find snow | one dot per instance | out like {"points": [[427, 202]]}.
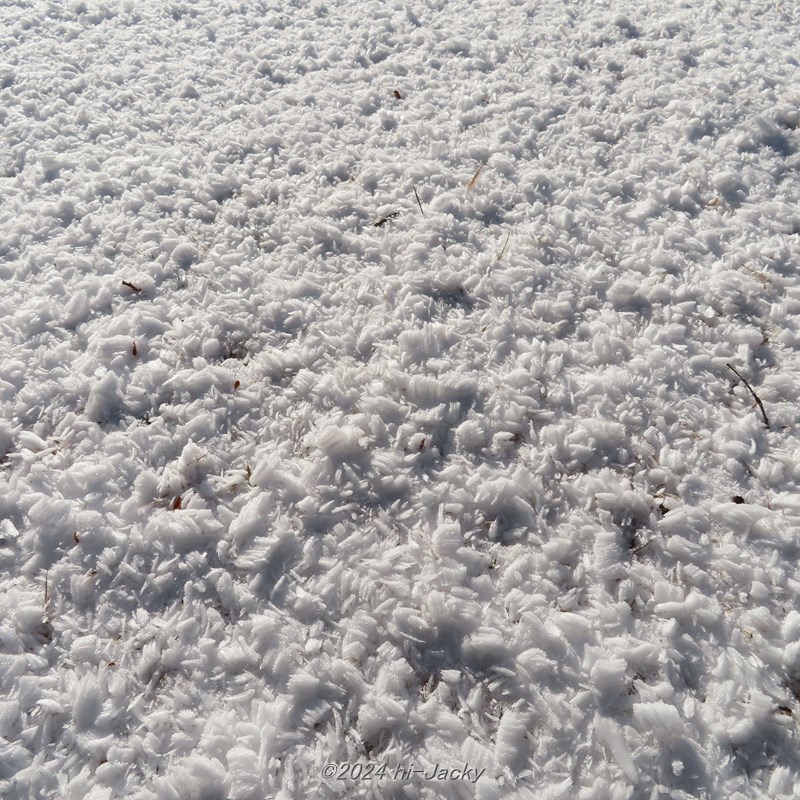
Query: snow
{"points": [[367, 395]]}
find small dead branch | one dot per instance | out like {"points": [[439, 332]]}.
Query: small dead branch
{"points": [[750, 389], [131, 286], [418, 200]]}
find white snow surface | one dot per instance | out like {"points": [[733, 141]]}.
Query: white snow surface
{"points": [[295, 472]]}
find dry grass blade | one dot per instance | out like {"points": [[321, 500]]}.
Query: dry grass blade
{"points": [[641, 547], [752, 392], [418, 200], [474, 178], [505, 244]]}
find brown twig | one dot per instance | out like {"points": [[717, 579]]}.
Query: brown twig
{"points": [[418, 201], [131, 286], [750, 389]]}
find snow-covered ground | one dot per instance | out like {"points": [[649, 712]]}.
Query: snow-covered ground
{"points": [[371, 393]]}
